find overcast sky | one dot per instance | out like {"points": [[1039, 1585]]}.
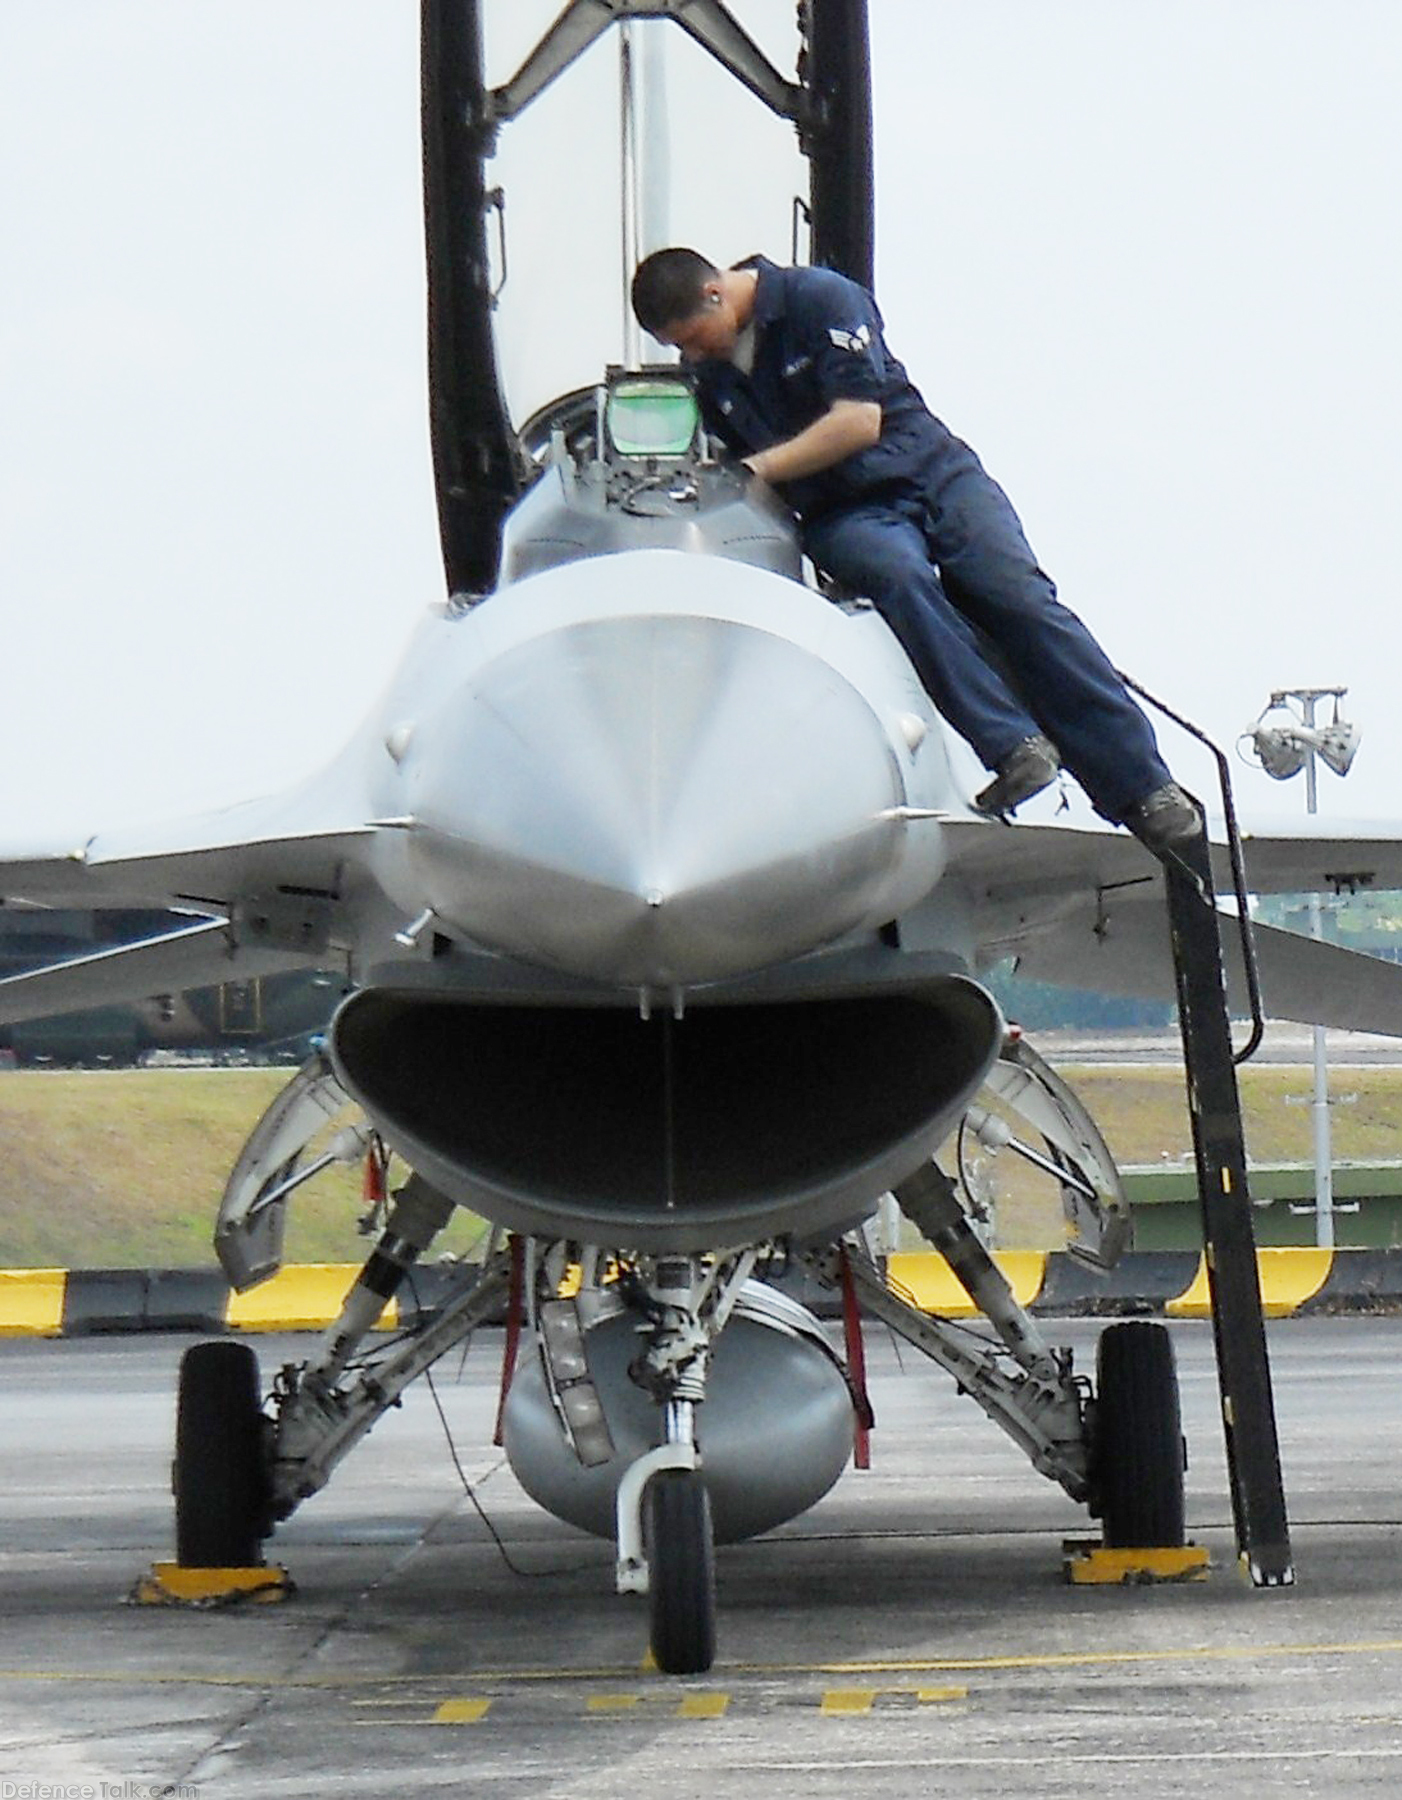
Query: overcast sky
{"points": [[1145, 257]]}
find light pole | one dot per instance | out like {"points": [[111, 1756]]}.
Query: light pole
{"points": [[1284, 748]]}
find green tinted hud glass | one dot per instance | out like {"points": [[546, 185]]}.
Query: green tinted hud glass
{"points": [[652, 418]]}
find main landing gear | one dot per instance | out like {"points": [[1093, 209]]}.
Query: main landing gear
{"points": [[220, 1474], [1138, 1456], [1117, 1449]]}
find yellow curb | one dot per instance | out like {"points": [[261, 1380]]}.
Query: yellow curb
{"points": [[31, 1302], [1288, 1277], [299, 1298], [928, 1277]]}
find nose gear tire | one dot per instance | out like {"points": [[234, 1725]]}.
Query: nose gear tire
{"points": [[681, 1572]]}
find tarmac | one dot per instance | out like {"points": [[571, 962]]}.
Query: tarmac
{"points": [[912, 1635]]}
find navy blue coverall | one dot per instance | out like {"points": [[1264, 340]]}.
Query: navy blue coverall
{"points": [[915, 524]]}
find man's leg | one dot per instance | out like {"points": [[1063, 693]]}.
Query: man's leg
{"points": [[1068, 682], [883, 557]]}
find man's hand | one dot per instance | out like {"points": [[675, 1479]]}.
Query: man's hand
{"points": [[845, 428]]}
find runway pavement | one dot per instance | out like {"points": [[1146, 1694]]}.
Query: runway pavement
{"points": [[910, 1636]]}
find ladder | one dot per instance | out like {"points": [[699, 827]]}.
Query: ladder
{"points": [[1229, 1243]]}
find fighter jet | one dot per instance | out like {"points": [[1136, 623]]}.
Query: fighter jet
{"points": [[660, 910]]}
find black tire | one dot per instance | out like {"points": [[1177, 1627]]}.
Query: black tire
{"points": [[220, 1476], [1137, 1452], [681, 1572]]}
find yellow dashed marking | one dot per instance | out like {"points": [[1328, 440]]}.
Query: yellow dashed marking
{"points": [[380, 1688], [850, 1702], [703, 1706], [692, 1706], [461, 1712], [846, 1701]]}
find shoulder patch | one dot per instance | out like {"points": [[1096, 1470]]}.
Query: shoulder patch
{"points": [[857, 341]]}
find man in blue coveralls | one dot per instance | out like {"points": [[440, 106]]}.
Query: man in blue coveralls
{"points": [[793, 374]]}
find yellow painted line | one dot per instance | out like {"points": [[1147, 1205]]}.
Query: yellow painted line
{"points": [[1288, 1277], [845, 1702], [926, 1275], [1068, 1659], [703, 1706], [929, 1696], [461, 1712], [301, 1297], [31, 1302]]}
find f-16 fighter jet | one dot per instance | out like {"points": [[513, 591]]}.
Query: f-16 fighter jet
{"points": [[660, 911]]}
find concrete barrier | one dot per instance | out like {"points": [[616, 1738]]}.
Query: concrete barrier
{"points": [[1140, 1285], [306, 1297], [1359, 1281]]}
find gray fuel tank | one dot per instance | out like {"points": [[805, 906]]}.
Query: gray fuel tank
{"points": [[775, 1430]]}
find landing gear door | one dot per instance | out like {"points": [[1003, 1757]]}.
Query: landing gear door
{"points": [[1098, 1221]]}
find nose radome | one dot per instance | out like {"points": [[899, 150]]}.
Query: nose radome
{"points": [[655, 800]]}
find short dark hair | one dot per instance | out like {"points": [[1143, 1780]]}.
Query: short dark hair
{"points": [[670, 286]]}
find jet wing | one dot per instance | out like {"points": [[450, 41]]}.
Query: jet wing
{"points": [[204, 863], [199, 955], [271, 878], [1125, 950], [997, 860], [1318, 856], [1084, 909]]}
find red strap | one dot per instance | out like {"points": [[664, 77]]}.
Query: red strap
{"points": [[373, 1185], [863, 1417], [515, 1298]]}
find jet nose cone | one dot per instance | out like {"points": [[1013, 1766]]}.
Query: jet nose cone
{"points": [[656, 800]]}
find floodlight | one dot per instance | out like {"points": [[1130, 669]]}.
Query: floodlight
{"points": [[1280, 750], [1336, 743], [1285, 749]]}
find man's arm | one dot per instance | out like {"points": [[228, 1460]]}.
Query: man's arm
{"points": [[845, 428]]}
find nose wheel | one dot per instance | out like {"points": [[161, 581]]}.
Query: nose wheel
{"points": [[682, 1571]]}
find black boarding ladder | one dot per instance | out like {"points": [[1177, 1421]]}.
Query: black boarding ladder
{"points": [[1219, 1147]]}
